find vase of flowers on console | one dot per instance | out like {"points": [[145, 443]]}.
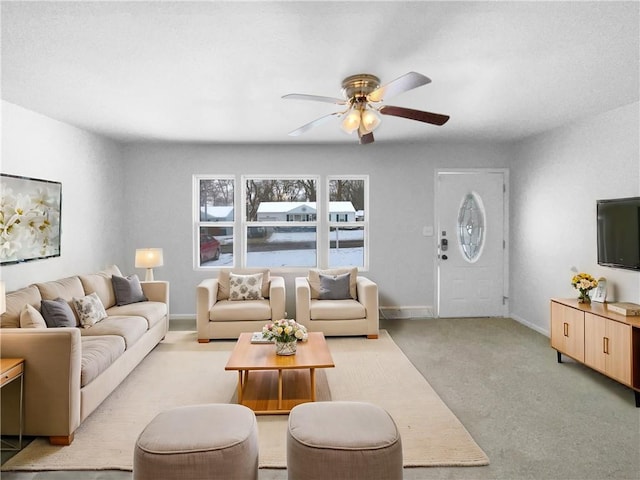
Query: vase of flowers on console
{"points": [[583, 282], [286, 333]]}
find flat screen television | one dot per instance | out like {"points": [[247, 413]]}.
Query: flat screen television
{"points": [[619, 233]]}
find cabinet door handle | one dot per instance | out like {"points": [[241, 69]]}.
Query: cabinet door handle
{"points": [[566, 329], [605, 345]]}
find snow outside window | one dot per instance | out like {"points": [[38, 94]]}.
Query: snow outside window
{"points": [[280, 222], [215, 221]]}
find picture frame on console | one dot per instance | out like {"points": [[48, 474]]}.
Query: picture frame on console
{"points": [[600, 293], [30, 220]]}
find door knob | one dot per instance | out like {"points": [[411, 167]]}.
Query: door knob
{"points": [[444, 257]]}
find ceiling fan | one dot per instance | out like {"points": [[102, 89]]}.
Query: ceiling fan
{"points": [[362, 97]]}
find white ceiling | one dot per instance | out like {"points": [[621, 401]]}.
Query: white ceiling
{"points": [[215, 71]]}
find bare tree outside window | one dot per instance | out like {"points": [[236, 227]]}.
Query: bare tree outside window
{"points": [[279, 224]]}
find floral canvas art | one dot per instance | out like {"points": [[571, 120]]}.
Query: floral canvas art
{"points": [[29, 219]]}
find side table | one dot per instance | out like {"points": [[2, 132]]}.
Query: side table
{"points": [[13, 369]]}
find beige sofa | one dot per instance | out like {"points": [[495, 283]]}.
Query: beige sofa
{"points": [[218, 317], [69, 371], [356, 315]]}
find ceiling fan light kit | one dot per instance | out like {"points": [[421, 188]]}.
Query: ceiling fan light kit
{"points": [[362, 93]]}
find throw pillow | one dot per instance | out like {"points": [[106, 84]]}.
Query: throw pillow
{"points": [[245, 287], [334, 287], [90, 310], [57, 313], [30, 317], [223, 280], [127, 290], [314, 280]]}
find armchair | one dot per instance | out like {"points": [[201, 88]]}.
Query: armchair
{"points": [[219, 315], [355, 315]]}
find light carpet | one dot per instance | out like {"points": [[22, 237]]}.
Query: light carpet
{"points": [[181, 371]]}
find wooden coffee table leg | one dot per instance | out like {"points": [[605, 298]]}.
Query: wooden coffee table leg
{"points": [[240, 385], [280, 389], [312, 376]]}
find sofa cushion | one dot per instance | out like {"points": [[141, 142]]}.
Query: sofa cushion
{"points": [[334, 287], [223, 280], [57, 313], [127, 289], [129, 328], [245, 287], [31, 318], [65, 288], [336, 310], [98, 353], [89, 309], [101, 284], [153, 312], [15, 301], [314, 280], [229, 311]]}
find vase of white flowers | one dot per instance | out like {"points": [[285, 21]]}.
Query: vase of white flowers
{"points": [[583, 282], [286, 333]]}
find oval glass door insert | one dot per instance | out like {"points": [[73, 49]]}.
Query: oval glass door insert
{"points": [[471, 224]]}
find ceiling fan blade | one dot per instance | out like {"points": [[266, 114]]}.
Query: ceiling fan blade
{"points": [[310, 125], [419, 115], [314, 98], [365, 137], [408, 81]]}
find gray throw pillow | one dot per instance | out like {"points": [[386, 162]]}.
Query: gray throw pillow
{"points": [[127, 290], [57, 313], [335, 287]]}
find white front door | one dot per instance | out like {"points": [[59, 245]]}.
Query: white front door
{"points": [[471, 235]]}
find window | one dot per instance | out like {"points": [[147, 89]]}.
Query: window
{"points": [[283, 221], [348, 221], [215, 221], [471, 221]]}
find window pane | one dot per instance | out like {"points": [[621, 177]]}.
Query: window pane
{"points": [[216, 246], [346, 191], [216, 200], [281, 247], [281, 200], [346, 247], [471, 221]]}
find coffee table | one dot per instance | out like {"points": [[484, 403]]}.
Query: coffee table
{"points": [[274, 384]]}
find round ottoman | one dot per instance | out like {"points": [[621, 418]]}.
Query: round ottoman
{"points": [[342, 441], [214, 441]]}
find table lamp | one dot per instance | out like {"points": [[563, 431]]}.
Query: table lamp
{"points": [[149, 258]]}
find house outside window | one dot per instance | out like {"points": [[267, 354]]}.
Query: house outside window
{"points": [[280, 221], [285, 222]]}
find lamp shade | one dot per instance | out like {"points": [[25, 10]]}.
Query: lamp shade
{"points": [[3, 299], [149, 257], [351, 122], [370, 120]]}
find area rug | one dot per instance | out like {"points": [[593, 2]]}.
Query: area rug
{"points": [[181, 371]]}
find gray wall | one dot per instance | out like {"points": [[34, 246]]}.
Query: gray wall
{"points": [[89, 168], [556, 179], [158, 182]]}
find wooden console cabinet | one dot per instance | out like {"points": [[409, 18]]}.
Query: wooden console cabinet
{"points": [[603, 340]]}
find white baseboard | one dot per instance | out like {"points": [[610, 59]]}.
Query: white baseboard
{"points": [[530, 325], [423, 311]]}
